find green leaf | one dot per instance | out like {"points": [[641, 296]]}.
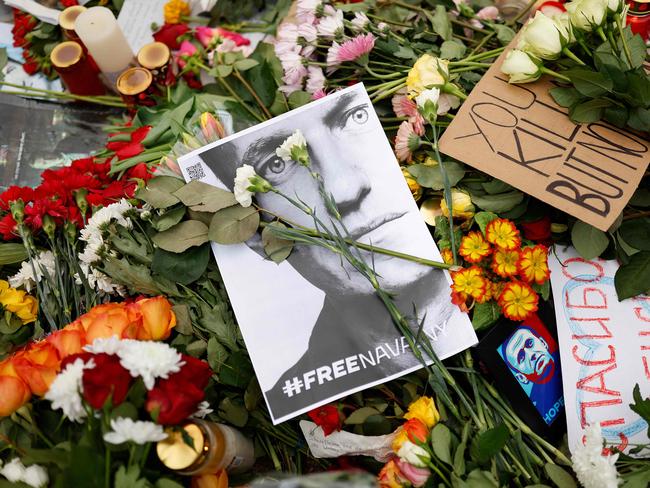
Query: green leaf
{"points": [[440, 22], [3, 61], [360, 415], [167, 483], [590, 111], [559, 476], [481, 479], [169, 219], [637, 47], [217, 354], [452, 50], [233, 225], [405, 52], [233, 411], [638, 88], [441, 443], [637, 479], [485, 314], [641, 406], [431, 176], [276, 248], [299, 98], [640, 119], [11, 253], [589, 83], [377, 425], [245, 64], [504, 33], [185, 267], [636, 233], [252, 395], [237, 371], [196, 348], [136, 277], [459, 459], [498, 203], [544, 289], [633, 278], [263, 82], [616, 116], [156, 198], [202, 197], [565, 97], [221, 70], [484, 218], [182, 236], [588, 241], [489, 443]]}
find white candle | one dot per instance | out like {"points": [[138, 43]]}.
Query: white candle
{"points": [[98, 30]]}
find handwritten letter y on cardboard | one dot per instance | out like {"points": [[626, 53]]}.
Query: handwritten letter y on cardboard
{"points": [[517, 133]]}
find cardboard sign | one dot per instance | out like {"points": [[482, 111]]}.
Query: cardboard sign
{"points": [[517, 133], [604, 349]]}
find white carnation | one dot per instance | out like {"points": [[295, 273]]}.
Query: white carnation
{"points": [[64, 392], [149, 360], [43, 264], [242, 181], [92, 233], [36, 476], [294, 140], [137, 431], [110, 345], [592, 468], [14, 471], [98, 280], [429, 95]]}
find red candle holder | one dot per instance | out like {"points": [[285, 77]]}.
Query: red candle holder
{"points": [[551, 8], [638, 17], [78, 73], [67, 19], [136, 87], [156, 57]]}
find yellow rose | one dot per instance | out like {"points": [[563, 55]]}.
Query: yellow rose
{"points": [[461, 202], [19, 302], [427, 71], [424, 409]]}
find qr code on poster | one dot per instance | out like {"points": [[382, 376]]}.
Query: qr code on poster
{"points": [[195, 171]]}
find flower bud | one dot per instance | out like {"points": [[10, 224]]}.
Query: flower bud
{"points": [[17, 208], [80, 200], [541, 37], [521, 67], [587, 15], [49, 225], [428, 71], [461, 203], [211, 128], [427, 102], [563, 24], [414, 454]]}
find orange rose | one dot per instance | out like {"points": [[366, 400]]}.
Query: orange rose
{"points": [[390, 476], [14, 393], [37, 366], [216, 480], [158, 319], [108, 320], [68, 341], [416, 430]]}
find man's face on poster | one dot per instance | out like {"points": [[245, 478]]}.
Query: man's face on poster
{"points": [[528, 356], [346, 146]]}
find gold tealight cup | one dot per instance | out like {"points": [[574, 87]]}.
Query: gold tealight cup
{"points": [[135, 86], [156, 57], [67, 19]]}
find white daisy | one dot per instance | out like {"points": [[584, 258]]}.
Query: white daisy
{"points": [[98, 280], [137, 431], [331, 25], [64, 392], [43, 264], [149, 360]]}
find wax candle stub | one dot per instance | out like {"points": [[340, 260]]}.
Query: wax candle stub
{"points": [[99, 31]]}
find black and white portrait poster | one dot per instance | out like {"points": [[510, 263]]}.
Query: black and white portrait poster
{"points": [[313, 327]]}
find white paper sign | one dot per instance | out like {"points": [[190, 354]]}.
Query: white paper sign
{"points": [[135, 20], [42, 13], [345, 443], [604, 348]]}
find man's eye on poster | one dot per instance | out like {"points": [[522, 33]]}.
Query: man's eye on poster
{"points": [[313, 326]]}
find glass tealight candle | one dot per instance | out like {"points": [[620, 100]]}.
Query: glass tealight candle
{"points": [[638, 17], [78, 73], [216, 446], [135, 86], [156, 57]]}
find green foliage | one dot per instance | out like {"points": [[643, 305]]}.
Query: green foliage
{"points": [[430, 176], [588, 241], [233, 225], [182, 236], [633, 278]]}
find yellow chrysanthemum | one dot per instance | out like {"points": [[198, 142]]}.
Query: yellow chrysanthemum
{"points": [[474, 247], [518, 300], [504, 262], [423, 409], [533, 264], [447, 256], [503, 233], [175, 10], [470, 282]]}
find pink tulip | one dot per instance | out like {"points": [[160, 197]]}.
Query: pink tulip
{"points": [[417, 476]]}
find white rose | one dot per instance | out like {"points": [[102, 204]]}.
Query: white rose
{"points": [[521, 67], [563, 24], [413, 454], [541, 37], [587, 14], [615, 6]]}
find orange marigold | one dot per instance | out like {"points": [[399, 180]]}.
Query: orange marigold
{"points": [[470, 282], [504, 262], [503, 233], [533, 264], [518, 300], [474, 247], [175, 10], [447, 255]]}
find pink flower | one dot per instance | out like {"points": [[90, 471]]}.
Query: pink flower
{"points": [[488, 13], [187, 49], [417, 476], [350, 50], [208, 35], [406, 141], [204, 35], [403, 106], [306, 10], [238, 39], [318, 94], [315, 79]]}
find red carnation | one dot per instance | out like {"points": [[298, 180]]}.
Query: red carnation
{"points": [[169, 34], [8, 228], [40, 208], [327, 417], [537, 231], [108, 379], [30, 66], [13, 193], [132, 147]]}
